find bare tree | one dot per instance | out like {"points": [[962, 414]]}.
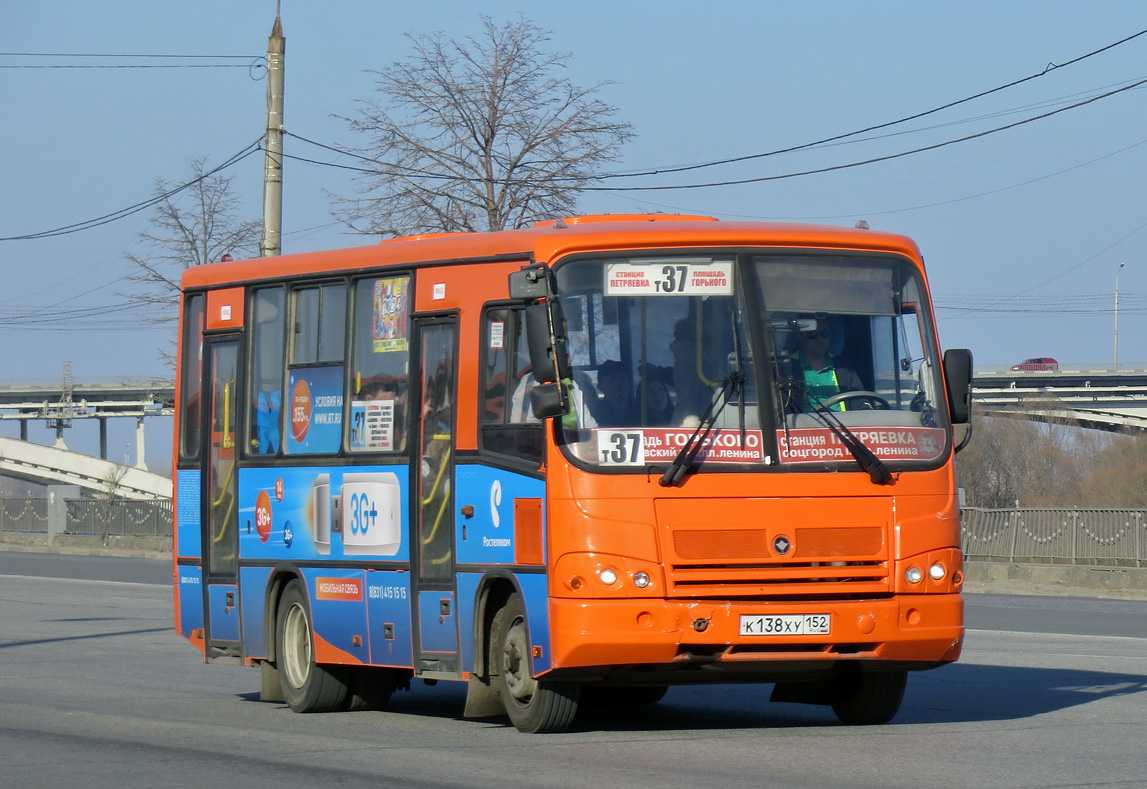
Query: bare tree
{"points": [[479, 134], [108, 497], [189, 226]]}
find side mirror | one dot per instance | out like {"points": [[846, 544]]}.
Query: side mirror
{"points": [[958, 380], [546, 343], [549, 400], [529, 284]]}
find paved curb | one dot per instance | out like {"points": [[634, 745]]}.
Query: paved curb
{"points": [[1056, 579], [89, 545]]}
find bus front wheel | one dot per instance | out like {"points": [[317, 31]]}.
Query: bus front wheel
{"points": [[534, 706], [865, 698], [307, 686]]}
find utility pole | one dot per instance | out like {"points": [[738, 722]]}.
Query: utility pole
{"points": [[273, 172], [1121, 265]]}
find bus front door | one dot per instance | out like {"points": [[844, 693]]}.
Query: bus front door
{"points": [[220, 511], [435, 598]]}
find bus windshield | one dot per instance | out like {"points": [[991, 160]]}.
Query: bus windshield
{"points": [[773, 358]]}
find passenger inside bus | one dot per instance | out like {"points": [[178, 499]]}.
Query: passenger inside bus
{"points": [[658, 403], [582, 394], [266, 440], [617, 406], [694, 392]]}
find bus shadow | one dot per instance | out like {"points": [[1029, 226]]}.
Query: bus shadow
{"points": [[960, 693]]}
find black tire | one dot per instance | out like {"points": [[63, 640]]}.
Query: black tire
{"points": [[534, 706], [868, 698], [307, 686], [370, 688]]}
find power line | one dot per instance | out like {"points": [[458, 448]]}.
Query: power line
{"points": [[412, 172], [88, 224], [759, 179], [126, 66], [873, 160], [251, 61], [1050, 67], [121, 55]]}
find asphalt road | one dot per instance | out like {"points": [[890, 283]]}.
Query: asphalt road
{"points": [[96, 690]]}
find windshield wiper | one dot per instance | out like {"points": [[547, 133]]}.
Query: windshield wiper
{"points": [[864, 456], [735, 382]]}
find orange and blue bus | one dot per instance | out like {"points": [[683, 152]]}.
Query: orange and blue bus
{"points": [[596, 457]]}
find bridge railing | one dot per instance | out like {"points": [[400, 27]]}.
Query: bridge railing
{"points": [[115, 518], [1105, 537]]}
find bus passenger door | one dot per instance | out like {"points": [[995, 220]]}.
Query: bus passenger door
{"points": [[435, 598], [220, 505]]}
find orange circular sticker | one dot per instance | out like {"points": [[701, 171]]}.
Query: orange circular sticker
{"points": [[300, 411], [263, 515]]}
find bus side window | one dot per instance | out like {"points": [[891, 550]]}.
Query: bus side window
{"points": [[269, 320], [380, 364], [315, 373], [191, 406], [508, 426]]}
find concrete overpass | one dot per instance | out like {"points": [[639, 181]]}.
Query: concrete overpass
{"points": [[54, 466], [58, 404], [1103, 399]]}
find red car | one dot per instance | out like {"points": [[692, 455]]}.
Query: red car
{"points": [[1037, 363]]}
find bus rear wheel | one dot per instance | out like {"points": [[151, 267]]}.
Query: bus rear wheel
{"points": [[534, 706], [307, 686], [866, 698]]}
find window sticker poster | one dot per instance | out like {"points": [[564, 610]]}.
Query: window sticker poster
{"points": [[391, 307], [372, 425], [316, 415]]}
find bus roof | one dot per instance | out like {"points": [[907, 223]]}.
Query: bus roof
{"points": [[549, 240]]}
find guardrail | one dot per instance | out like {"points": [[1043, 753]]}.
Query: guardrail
{"points": [[1097, 537], [115, 518]]}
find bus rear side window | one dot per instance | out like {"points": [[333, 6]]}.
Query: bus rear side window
{"points": [[191, 404]]}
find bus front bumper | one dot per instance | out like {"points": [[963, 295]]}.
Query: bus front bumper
{"points": [[911, 631]]}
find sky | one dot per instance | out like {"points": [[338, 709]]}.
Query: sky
{"points": [[1023, 230]]}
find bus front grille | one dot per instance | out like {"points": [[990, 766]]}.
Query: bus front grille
{"points": [[787, 579]]}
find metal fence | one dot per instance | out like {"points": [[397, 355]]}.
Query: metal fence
{"points": [[1105, 537], [118, 517], [23, 514]]}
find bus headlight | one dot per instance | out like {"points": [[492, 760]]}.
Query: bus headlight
{"points": [[913, 575], [641, 579], [608, 576], [937, 572]]}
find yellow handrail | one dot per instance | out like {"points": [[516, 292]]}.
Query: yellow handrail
{"points": [[700, 373], [224, 490], [441, 470]]}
